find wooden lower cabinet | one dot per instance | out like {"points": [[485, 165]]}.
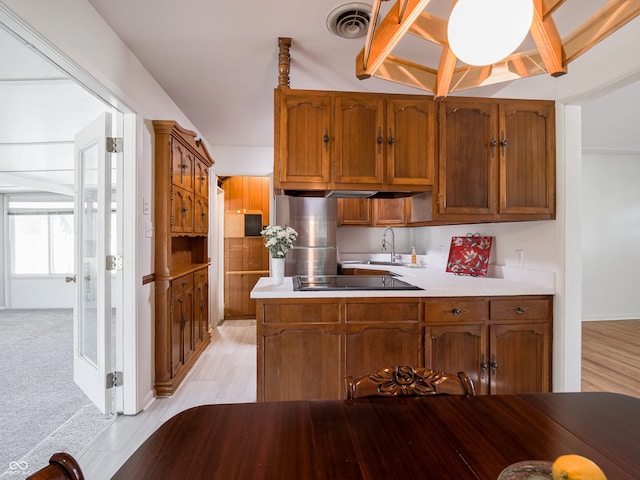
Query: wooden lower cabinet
{"points": [[307, 346], [245, 261], [504, 345], [187, 333]]}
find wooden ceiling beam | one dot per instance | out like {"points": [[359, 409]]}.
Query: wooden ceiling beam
{"points": [[547, 39], [612, 16], [387, 35], [430, 28], [445, 72], [550, 6], [552, 54], [407, 73]]}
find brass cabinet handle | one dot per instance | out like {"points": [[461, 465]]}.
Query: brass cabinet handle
{"points": [[326, 139], [493, 144], [494, 364], [391, 139], [520, 310], [483, 365]]}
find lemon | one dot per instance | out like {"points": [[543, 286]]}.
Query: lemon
{"points": [[575, 467]]}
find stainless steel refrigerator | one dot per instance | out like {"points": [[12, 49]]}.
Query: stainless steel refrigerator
{"points": [[316, 220]]}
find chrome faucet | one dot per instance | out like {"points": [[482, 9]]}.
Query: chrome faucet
{"points": [[392, 244]]}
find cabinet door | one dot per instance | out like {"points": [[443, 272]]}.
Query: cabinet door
{"points": [[237, 294], [354, 211], [200, 305], [520, 358], [359, 147], [302, 364], [182, 164], [459, 348], [527, 158], [468, 156], [201, 179], [410, 141], [374, 347], [233, 295], [201, 215], [303, 140], [182, 209], [181, 321], [389, 211]]}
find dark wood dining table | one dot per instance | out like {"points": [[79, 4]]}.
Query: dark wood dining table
{"points": [[438, 437]]}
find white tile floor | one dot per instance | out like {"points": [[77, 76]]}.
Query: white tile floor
{"points": [[225, 373]]}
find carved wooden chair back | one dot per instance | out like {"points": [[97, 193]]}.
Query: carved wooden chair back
{"points": [[405, 380], [62, 466]]}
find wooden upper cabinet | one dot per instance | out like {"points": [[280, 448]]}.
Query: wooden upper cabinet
{"points": [[373, 212], [353, 141], [468, 157], [389, 211], [182, 164], [496, 160], [410, 141], [354, 211], [201, 179], [527, 158], [359, 145], [303, 130]]}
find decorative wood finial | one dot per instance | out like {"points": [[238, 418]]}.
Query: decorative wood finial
{"points": [[284, 62]]}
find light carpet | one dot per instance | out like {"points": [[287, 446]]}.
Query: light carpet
{"points": [[42, 411]]}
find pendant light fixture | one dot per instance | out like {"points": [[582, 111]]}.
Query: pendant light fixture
{"points": [[483, 32]]}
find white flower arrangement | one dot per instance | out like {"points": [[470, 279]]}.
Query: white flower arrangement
{"points": [[279, 239]]}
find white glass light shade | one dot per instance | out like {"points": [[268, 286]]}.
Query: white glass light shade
{"points": [[483, 32]]}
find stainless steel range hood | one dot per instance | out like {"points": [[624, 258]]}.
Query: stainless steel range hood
{"points": [[346, 193], [350, 194]]}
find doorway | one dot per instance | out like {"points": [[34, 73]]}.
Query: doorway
{"points": [[43, 107]]}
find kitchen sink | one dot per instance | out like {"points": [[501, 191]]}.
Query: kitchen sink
{"points": [[383, 262]]}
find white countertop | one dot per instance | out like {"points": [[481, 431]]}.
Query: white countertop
{"points": [[435, 282]]}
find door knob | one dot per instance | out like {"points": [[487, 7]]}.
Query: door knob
{"points": [[70, 279]]}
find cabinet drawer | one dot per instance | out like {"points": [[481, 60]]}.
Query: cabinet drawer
{"points": [[536, 309], [457, 311], [373, 312], [201, 275], [181, 285], [301, 313]]}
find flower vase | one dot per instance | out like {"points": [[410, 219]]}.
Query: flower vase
{"points": [[277, 270]]}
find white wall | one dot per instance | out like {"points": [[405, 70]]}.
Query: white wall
{"points": [[40, 292], [611, 236], [533, 238]]}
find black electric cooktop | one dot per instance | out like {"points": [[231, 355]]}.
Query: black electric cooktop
{"points": [[350, 282]]}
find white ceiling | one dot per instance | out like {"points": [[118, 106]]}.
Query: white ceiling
{"points": [[219, 63], [42, 109]]}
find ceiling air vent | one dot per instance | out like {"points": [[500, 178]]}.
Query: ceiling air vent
{"points": [[350, 20]]}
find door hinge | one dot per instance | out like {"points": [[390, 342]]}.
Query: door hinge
{"points": [[114, 379], [114, 262], [114, 144]]}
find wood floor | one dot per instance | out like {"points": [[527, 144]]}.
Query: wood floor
{"points": [[226, 373], [611, 356]]}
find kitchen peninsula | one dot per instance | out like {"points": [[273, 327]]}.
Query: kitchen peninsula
{"points": [[496, 328]]}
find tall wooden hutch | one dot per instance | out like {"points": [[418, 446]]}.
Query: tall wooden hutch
{"points": [[181, 254]]}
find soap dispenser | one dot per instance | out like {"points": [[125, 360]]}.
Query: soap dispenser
{"points": [[414, 256]]}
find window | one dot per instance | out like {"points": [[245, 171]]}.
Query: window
{"points": [[42, 238]]}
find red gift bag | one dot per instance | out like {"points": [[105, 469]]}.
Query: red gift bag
{"points": [[469, 255]]}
